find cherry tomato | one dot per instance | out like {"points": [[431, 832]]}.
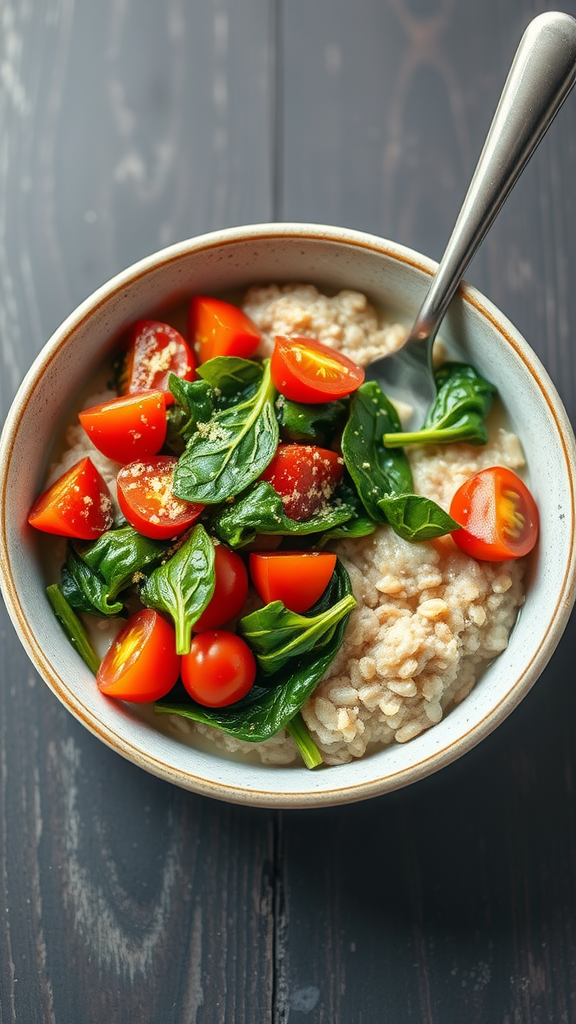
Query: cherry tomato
{"points": [[498, 515], [142, 664], [155, 350], [217, 328], [230, 590], [305, 477], [219, 668], [146, 499], [77, 505], [297, 578], [305, 370], [127, 428]]}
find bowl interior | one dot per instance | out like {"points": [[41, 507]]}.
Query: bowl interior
{"points": [[394, 279]]}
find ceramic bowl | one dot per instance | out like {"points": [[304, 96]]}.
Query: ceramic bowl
{"points": [[395, 278]]}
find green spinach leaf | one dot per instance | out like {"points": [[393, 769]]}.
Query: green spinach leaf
{"points": [[73, 627], [196, 403], [458, 412], [267, 709], [416, 518], [95, 574], [184, 585], [315, 422], [231, 376], [261, 510], [375, 469], [276, 634], [228, 452]]}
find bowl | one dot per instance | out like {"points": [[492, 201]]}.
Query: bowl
{"points": [[395, 278]]}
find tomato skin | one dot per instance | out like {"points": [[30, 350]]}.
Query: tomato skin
{"points": [[155, 350], [306, 370], [230, 590], [127, 428], [146, 499], [219, 669], [297, 578], [305, 477], [217, 328], [498, 514], [77, 504], [141, 664]]}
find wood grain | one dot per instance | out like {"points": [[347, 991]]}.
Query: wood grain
{"points": [[125, 126]]}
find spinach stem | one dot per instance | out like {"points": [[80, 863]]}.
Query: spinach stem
{"points": [[308, 749], [443, 435], [73, 627]]}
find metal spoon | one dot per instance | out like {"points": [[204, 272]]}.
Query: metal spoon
{"points": [[541, 76]]}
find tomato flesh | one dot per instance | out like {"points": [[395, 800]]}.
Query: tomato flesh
{"points": [[305, 477], [306, 370], [146, 498], [297, 578], [498, 515], [77, 504], [219, 668], [127, 428], [142, 664], [230, 590], [217, 328], [155, 350]]}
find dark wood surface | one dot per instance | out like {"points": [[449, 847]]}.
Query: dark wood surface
{"points": [[125, 126]]}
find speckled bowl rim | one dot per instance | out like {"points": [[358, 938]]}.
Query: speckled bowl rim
{"points": [[330, 795]]}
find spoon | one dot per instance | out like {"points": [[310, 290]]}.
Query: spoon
{"points": [[541, 76]]}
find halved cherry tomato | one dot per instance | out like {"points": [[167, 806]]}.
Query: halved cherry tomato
{"points": [[230, 590], [219, 669], [305, 477], [127, 428], [498, 515], [77, 505], [146, 498], [305, 370], [142, 664], [217, 328], [155, 350], [297, 578]]}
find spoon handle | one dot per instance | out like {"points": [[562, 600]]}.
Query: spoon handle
{"points": [[541, 76]]}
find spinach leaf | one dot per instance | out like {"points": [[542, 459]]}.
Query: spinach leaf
{"points": [[458, 412], [303, 740], [184, 585], [276, 634], [267, 709], [231, 450], [261, 510], [93, 575], [73, 627], [315, 422], [375, 469], [416, 518], [197, 402], [360, 526], [230, 375]]}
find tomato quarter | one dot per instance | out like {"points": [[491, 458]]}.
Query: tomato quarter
{"points": [[217, 328], [498, 515], [219, 669], [127, 428], [146, 498], [230, 590], [155, 350], [305, 370], [142, 664], [305, 477], [298, 579], [77, 505]]}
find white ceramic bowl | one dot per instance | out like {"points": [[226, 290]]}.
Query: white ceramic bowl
{"points": [[393, 277]]}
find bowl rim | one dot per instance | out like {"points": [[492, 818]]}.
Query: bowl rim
{"points": [[338, 794]]}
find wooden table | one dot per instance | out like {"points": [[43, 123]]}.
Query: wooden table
{"points": [[125, 126]]}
